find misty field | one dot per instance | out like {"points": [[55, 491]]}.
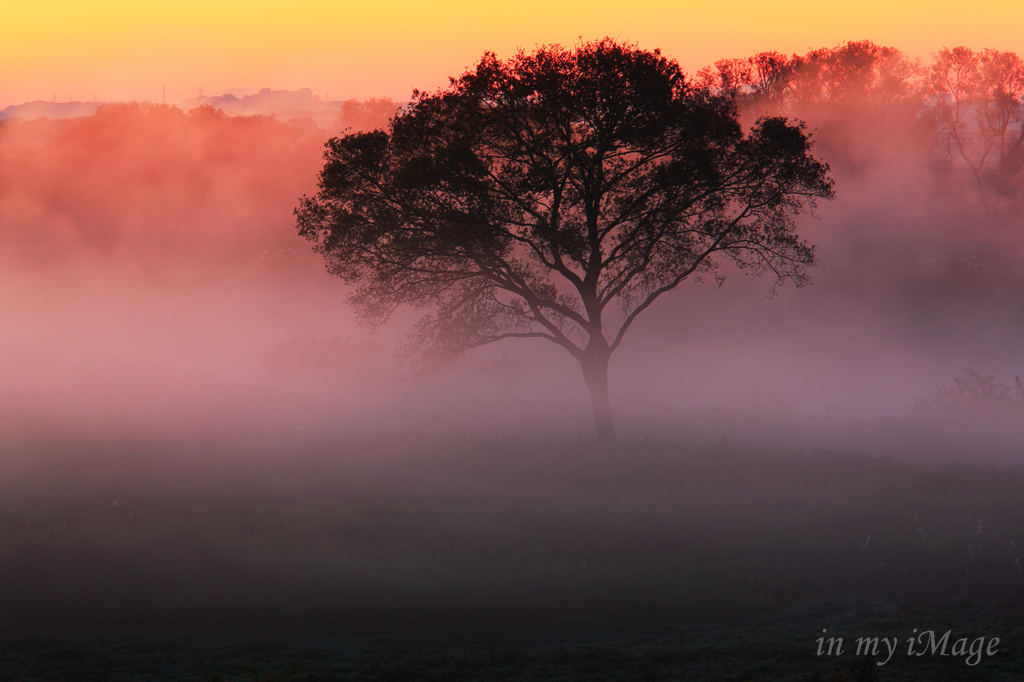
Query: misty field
{"points": [[357, 555]]}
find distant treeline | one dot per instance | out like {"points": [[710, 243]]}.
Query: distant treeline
{"points": [[151, 177], [965, 103]]}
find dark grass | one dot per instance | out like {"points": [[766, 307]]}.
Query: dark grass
{"points": [[343, 555]]}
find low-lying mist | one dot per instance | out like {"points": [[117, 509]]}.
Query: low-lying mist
{"points": [[151, 274]]}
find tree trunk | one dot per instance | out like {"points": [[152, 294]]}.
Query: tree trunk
{"points": [[595, 372]]}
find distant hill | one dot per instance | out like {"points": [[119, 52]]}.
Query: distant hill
{"points": [[41, 109], [285, 105]]}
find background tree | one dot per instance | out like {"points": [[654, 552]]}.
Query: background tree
{"points": [[853, 74], [861, 99], [557, 195], [976, 100], [975, 396], [372, 114]]}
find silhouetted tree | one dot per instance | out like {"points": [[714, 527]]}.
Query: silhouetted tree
{"points": [[759, 83], [557, 195]]}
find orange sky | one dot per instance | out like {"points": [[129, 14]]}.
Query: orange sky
{"points": [[126, 49]]}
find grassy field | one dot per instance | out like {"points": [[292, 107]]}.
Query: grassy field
{"points": [[344, 555]]}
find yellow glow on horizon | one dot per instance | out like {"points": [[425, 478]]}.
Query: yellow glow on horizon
{"points": [[121, 49]]}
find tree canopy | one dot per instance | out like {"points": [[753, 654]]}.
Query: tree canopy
{"points": [[557, 195]]}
